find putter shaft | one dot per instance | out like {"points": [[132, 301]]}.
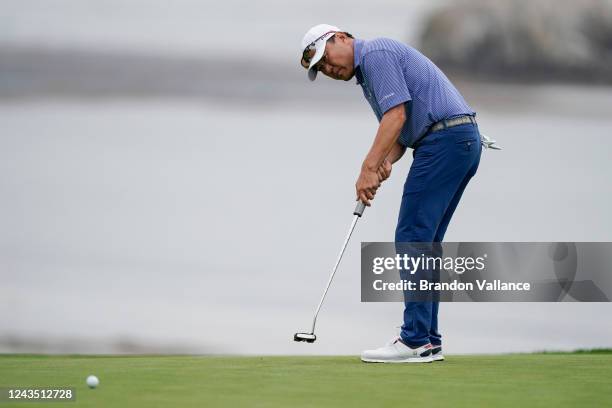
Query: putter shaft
{"points": [[357, 214]]}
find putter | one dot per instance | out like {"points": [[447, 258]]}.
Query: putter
{"points": [[311, 337]]}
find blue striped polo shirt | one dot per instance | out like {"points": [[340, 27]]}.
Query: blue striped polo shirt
{"points": [[391, 73]]}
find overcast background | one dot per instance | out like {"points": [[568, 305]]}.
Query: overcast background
{"points": [[170, 181]]}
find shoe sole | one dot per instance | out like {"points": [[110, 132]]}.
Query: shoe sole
{"points": [[427, 359], [438, 358]]}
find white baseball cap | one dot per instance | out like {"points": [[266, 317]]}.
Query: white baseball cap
{"points": [[316, 38]]}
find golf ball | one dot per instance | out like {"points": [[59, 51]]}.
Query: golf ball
{"points": [[92, 381]]}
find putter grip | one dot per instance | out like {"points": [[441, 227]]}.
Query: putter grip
{"points": [[359, 209]]}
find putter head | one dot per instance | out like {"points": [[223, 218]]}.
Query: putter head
{"points": [[307, 337]]}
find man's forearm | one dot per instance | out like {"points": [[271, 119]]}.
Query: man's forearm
{"points": [[396, 153], [386, 137]]}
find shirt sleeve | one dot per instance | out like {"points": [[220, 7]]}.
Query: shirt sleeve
{"points": [[383, 71]]}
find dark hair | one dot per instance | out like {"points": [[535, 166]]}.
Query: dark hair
{"points": [[333, 37]]}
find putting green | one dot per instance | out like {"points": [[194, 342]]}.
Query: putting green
{"points": [[534, 380]]}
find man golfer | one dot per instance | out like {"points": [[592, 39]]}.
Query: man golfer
{"points": [[417, 107]]}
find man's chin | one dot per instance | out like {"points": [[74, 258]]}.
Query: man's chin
{"points": [[342, 77], [349, 77]]}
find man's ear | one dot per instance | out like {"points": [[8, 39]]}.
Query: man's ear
{"points": [[341, 36]]}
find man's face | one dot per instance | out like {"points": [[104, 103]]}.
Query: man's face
{"points": [[337, 61]]}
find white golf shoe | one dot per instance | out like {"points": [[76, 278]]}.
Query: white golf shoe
{"points": [[398, 352], [436, 353]]}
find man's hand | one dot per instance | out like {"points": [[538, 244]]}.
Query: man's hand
{"points": [[367, 184], [384, 171]]}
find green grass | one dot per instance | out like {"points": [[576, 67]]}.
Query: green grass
{"points": [[514, 380]]}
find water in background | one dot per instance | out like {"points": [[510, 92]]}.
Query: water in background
{"points": [[136, 222]]}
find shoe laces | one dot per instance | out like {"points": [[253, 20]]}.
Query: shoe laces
{"points": [[398, 330]]}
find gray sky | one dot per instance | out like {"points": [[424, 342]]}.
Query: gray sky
{"points": [[270, 29]]}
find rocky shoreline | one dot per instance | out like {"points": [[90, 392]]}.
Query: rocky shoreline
{"points": [[521, 40]]}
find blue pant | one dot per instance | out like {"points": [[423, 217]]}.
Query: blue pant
{"points": [[444, 162]]}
